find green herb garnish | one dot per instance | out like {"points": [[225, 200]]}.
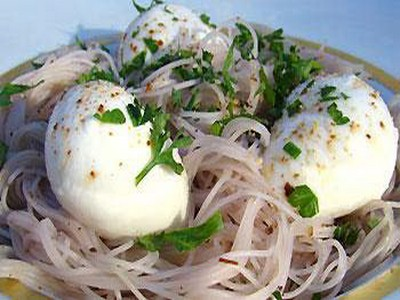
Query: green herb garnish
{"points": [[115, 116], [291, 149], [177, 99], [316, 296], [135, 64], [346, 234], [80, 43], [266, 90], [244, 42], [218, 126], [185, 239], [167, 10], [140, 115], [373, 222], [344, 96], [3, 153], [95, 74], [337, 115], [159, 135], [206, 20], [140, 9], [304, 200], [10, 89], [166, 59], [193, 104], [294, 107], [135, 33], [151, 44], [228, 81], [277, 295], [327, 93]]}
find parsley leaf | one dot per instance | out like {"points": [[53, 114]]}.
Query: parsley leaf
{"points": [[158, 136], [12, 89], [244, 42], [337, 115], [135, 64], [166, 59], [135, 32], [345, 97], [193, 103], [115, 116], [373, 222], [140, 9], [185, 239], [151, 44], [266, 90], [206, 20], [327, 93], [292, 149], [346, 234], [95, 74], [277, 295], [304, 200], [139, 115], [294, 107], [3, 153]]}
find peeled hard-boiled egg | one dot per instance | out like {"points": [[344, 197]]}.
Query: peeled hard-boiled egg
{"points": [[92, 166], [165, 29], [345, 165]]}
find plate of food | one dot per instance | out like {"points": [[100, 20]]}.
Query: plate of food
{"points": [[184, 159]]}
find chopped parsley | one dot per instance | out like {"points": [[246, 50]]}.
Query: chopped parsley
{"points": [[346, 234], [292, 149], [115, 116], [151, 44], [277, 295], [80, 43], [344, 96], [265, 89], [160, 156], [95, 74], [295, 107], [308, 86], [244, 42], [336, 115], [193, 104], [185, 239], [10, 89], [304, 200], [36, 65], [167, 10], [326, 93], [140, 9], [177, 98], [206, 20], [135, 64], [3, 153], [135, 33], [218, 126]]}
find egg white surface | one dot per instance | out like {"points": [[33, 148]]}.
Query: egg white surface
{"points": [[345, 166], [172, 27], [92, 167]]}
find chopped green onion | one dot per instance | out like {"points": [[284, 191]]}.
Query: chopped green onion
{"points": [[294, 107], [135, 32], [266, 90], [177, 98], [277, 295], [373, 222], [346, 234], [291, 149], [206, 20], [151, 44]]}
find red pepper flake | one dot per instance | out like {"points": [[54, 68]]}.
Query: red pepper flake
{"points": [[368, 136], [148, 143], [288, 189], [160, 43], [151, 31], [382, 124], [228, 261], [133, 47], [93, 174]]}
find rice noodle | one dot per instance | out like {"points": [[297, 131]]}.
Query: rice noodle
{"points": [[265, 245]]}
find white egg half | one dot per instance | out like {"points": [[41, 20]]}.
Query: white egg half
{"points": [[171, 27], [346, 165], [92, 167]]}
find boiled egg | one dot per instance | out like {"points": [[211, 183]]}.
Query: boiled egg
{"points": [[162, 29], [347, 140], [92, 165]]}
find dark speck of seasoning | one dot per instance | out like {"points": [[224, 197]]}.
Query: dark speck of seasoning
{"points": [[374, 95], [161, 24], [146, 24], [320, 109], [382, 124], [69, 152], [120, 164], [93, 174], [151, 31], [160, 43], [67, 129], [79, 101], [148, 143], [93, 250], [55, 126], [110, 133], [368, 136], [288, 189], [295, 175], [100, 109]]}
